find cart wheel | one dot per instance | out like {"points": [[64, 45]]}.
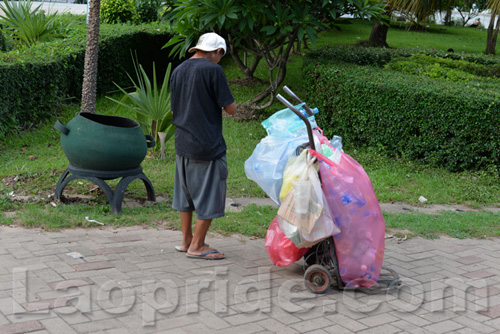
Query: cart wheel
{"points": [[317, 278]]}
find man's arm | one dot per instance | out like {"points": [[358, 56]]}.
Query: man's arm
{"points": [[231, 109]]}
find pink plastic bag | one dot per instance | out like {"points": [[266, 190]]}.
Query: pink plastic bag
{"points": [[360, 244], [280, 249]]}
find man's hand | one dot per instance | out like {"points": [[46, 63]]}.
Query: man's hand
{"points": [[231, 109]]}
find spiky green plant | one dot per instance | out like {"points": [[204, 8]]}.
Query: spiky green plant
{"points": [[149, 101], [25, 24]]}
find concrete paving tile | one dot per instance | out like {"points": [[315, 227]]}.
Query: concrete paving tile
{"points": [[19, 252], [65, 284], [36, 316], [245, 318], [377, 320], [444, 327], [312, 324], [171, 321], [21, 327], [195, 329], [243, 329], [317, 331], [492, 312], [337, 329], [99, 325], [46, 274], [134, 324], [211, 320], [466, 331], [118, 331], [468, 260], [405, 325], [123, 265], [427, 269], [111, 250], [125, 238], [275, 326], [3, 320], [71, 315], [474, 325], [383, 329], [9, 305], [346, 322], [487, 291], [92, 266], [480, 274], [41, 305], [57, 326]]}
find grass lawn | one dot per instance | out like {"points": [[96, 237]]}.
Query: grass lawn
{"points": [[460, 39], [32, 162]]}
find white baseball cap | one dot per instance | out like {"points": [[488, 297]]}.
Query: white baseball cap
{"points": [[209, 42]]}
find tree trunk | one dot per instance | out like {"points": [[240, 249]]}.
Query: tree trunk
{"points": [[89, 88], [491, 41], [275, 80], [447, 18], [378, 36], [243, 64]]}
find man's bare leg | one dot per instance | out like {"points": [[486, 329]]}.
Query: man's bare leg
{"points": [[198, 245], [187, 229]]}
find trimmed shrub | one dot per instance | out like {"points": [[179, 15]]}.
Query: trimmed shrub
{"points": [[3, 42], [118, 11], [34, 81], [354, 54], [147, 11], [444, 123], [445, 68]]}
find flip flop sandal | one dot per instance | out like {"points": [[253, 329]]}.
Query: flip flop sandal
{"points": [[179, 249], [204, 255]]}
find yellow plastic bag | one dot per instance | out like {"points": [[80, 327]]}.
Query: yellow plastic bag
{"points": [[295, 170]]}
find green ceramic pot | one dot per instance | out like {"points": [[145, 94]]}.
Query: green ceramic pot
{"points": [[103, 143]]}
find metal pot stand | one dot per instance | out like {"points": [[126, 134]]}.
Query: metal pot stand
{"points": [[98, 178]]}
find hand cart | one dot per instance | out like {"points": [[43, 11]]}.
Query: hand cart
{"points": [[321, 264]]}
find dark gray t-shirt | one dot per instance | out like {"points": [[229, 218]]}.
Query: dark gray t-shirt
{"points": [[199, 91]]}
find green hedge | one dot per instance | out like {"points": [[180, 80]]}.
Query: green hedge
{"points": [[450, 124], [34, 81], [380, 56]]}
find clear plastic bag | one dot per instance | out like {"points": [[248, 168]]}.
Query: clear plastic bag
{"points": [[304, 215], [267, 163], [285, 123], [323, 228], [280, 249]]}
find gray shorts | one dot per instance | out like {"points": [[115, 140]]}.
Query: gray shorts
{"points": [[200, 186]]}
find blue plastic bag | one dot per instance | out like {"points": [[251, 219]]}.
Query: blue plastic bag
{"points": [[285, 123]]}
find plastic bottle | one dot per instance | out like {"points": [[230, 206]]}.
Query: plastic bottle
{"points": [[336, 142], [326, 150]]}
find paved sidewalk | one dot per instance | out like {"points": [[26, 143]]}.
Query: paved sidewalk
{"points": [[131, 280]]}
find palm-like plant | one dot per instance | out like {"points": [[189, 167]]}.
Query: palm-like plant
{"points": [[26, 25], [494, 6], [150, 102]]}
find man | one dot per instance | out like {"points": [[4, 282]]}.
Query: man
{"points": [[199, 93]]}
